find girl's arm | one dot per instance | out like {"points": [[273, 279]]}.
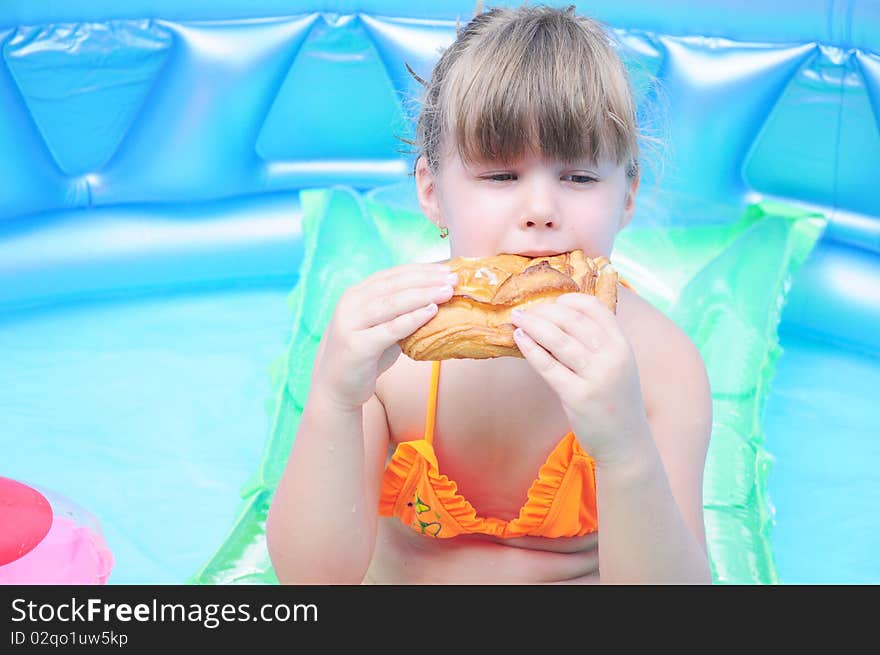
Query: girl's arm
{"points": [[649, 460], [650, 503], [321, 527]]}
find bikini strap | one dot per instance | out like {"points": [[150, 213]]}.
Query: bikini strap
{"points": [[432, 402]]}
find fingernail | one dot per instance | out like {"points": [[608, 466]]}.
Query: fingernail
{"points": [[516, 313]]}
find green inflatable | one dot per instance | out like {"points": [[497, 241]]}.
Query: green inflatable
{"points": [[725, 285]]}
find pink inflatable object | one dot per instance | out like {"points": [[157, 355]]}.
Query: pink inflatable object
{"points": [[25, 518], [73, 551]]}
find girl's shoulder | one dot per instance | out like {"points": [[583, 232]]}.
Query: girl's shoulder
{"points": [[640, 320], [637, 317], [661, 348]]}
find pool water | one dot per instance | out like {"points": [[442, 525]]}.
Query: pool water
{"points": [[149, 413], [821, 430]]}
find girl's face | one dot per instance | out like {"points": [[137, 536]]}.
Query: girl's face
{"points": [[531, 206]]}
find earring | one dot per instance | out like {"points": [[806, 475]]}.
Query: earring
{"points": [[444, 232]]}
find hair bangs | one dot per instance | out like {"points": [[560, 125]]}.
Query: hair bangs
{"points": [[541, 90], [531, 81]]}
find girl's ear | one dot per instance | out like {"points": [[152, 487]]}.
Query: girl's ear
{"points": [[426, 185], [629, 207]]}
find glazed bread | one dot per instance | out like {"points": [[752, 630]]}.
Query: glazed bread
{"points": [[475, 322]]}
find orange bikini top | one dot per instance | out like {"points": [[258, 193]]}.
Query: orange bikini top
{"points": [[561, 501]]}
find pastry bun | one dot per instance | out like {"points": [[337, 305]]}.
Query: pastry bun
{"points": [[475, 322]]}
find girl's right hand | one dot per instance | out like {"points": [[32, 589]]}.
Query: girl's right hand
{"points": [[370, 318]]}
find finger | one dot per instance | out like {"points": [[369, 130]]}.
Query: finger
{"points": [[555, 374], [398, 290], [573, 322], [392, 331], [544, 326], [594, 308], [415, 273], [389, 306]]}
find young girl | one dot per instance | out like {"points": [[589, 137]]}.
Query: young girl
{"points": [[581, 462]]}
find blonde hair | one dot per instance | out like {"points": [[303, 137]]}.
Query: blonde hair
{"points": [[534, 78]]}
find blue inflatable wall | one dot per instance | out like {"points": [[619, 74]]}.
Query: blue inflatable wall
{"points": [[158, 146]]}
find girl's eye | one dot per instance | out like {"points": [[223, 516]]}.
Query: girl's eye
{"points": [[577, 179], [581, 179]]}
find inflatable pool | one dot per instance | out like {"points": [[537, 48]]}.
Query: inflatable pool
{"points": [[182, 182]]}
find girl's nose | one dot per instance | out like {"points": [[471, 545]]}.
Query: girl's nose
{"points": [[538, 207], [539, 223]]}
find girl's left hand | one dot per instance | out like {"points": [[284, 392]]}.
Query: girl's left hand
{"points": [[577, 346]]}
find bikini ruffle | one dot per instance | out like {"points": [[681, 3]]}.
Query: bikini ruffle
{"points": [[561, 501]]}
